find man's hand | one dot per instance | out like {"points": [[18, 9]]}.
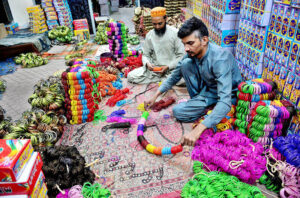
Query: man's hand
{"points": [[190, 138], [163, 70], [149, 103], [150, 66]]}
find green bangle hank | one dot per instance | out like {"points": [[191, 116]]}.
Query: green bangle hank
{"points": [[99, 115], [217, 184], [94, 191], [145, 115]]}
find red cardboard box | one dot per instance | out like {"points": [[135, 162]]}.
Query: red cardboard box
{"points": [[14, 155], [26, 183]]}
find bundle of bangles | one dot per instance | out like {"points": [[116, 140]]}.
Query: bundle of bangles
{"points": [[231, 152], [267, 120], [249, 94], [82, 95], [217, 184], [149, 147], [117, 40]]}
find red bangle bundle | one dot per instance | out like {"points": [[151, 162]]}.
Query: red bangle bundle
{"points": [[162, 104], [119, 95]]}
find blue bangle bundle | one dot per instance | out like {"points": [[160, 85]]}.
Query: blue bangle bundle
{"points": [[289, 147]]}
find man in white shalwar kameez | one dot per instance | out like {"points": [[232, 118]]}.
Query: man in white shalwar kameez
{"points": [[162, 48]]}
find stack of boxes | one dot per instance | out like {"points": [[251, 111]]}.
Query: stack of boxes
{"points": [[253, 31], [282, 53], [63, 12], [189, 9], [250, 48], [50, 14], [174, 7], [222, 20], [81, 29], [198, 5], [21, 170], [37, 20]]}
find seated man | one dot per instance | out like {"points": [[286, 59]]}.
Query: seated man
{"points": [[211, 76], [162, 48]]}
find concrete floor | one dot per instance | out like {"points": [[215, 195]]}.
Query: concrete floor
{"points": [[20, 83]]}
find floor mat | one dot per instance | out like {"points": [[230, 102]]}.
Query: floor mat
{"points": [[122, 163]]}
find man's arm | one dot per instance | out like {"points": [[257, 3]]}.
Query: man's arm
{"points": [[222, 71], [175, 76]]}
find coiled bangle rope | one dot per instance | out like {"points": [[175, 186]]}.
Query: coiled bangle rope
{"points": [[149, 147]]}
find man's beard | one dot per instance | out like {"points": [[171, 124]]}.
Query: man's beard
{"points": [[161, 31]]}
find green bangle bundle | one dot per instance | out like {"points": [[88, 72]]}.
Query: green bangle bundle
{"points": [[217, 184], [94, 191]]}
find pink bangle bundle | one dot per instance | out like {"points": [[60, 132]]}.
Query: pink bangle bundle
{"points": [[231, 152]]}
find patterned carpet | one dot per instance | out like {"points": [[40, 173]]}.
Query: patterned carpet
{"points": [[122, 164]]}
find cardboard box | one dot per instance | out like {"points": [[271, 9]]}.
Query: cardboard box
{"points": [[13, 158], [295, 94], [289, 85], [25, 184], [82, 34], [39, 185], [42, 194]]}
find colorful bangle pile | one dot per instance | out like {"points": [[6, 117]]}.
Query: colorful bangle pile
{"points": [[217, 184], [267, 119], [117, 40], [249, 94], [81, 91], [231, 152], [225, 124], [149, 147]]}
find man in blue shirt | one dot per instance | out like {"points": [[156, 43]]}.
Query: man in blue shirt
{"points": [[211, 76]]}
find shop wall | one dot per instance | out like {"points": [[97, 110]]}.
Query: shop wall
{"points": [[18, 10]]}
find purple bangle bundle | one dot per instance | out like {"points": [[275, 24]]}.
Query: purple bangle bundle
{"points": [[289, 146], [231, 152]]}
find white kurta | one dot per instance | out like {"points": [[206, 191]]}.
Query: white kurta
{"points": [[165, 50]]}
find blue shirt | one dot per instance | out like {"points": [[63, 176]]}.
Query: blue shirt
{"points": [[215, 76]]}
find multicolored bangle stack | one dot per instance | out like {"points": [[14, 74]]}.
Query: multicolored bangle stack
{"points": [[149, 147], [117, 40], [249, 94], [81, 92], [267, 119]]}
